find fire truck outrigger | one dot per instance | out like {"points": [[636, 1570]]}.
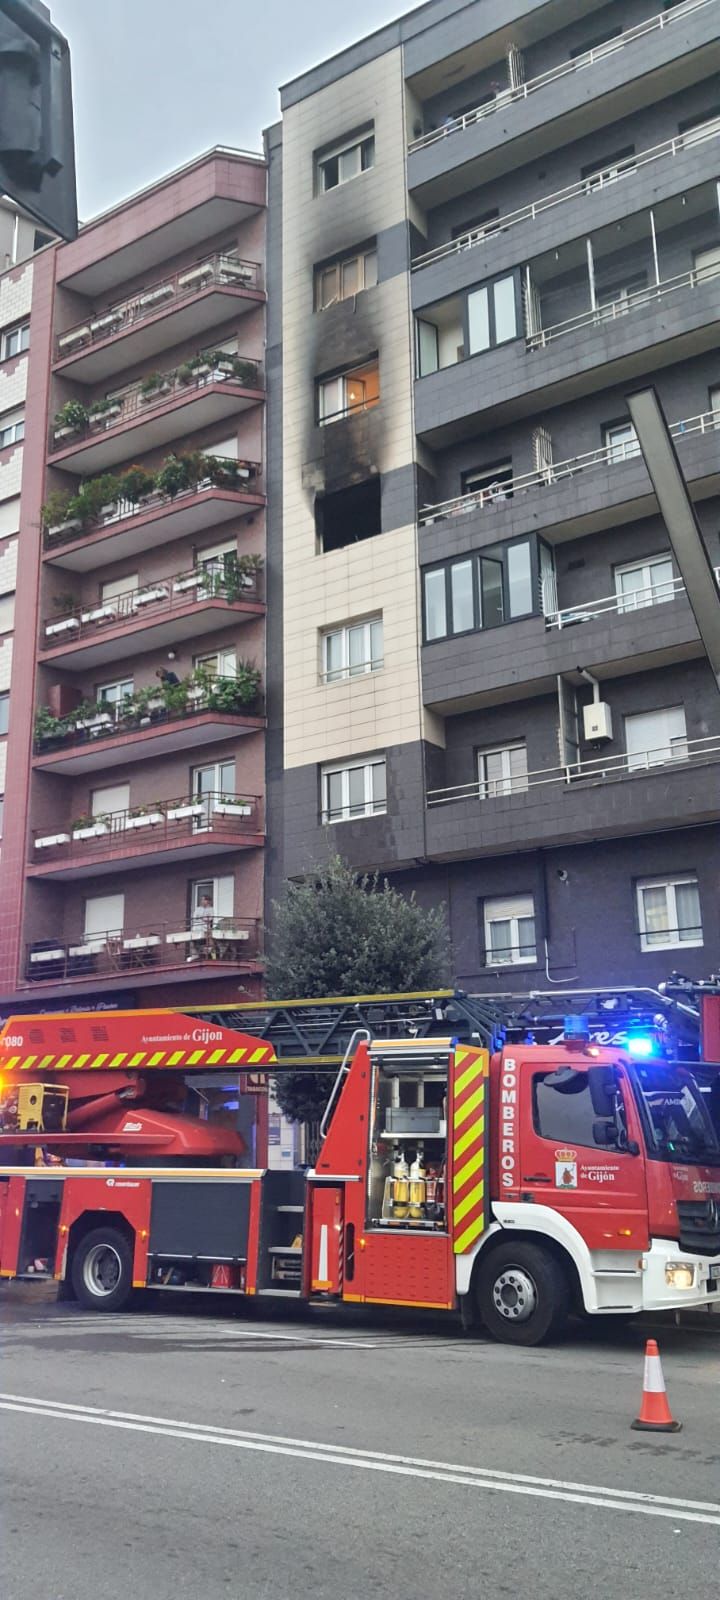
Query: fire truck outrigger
{"points": [[513, 1185]]}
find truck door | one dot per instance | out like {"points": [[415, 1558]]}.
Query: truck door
{"points": [[575, 1120]]}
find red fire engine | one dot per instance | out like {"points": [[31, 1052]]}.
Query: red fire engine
{"points": [[513, 1187]]}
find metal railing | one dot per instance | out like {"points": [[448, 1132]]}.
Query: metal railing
{"points": [[154, 599], [203, 937], [623, 306], [651, 594], [564, 69], [223, 271], [242, 478], [557, 471], [138, 401], [151, 710], [216, 814], [599, 769], [603, 179]]}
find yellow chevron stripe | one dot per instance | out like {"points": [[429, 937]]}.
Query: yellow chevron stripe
{"points": [[236, 1055], [463, 1112], [197, 1055], [81, 1061], [157, 1057], [215, 1056], [45, 1063], [469, 1236], [28, 1062], [259, 1055], [176, 1057], [62, 1061], [100, 1059], [467, 1171], [137, 1059], [474, 1198], [117, 1060], [465, 1078], [12, 1062], [460, 1053], [467, 1138]]}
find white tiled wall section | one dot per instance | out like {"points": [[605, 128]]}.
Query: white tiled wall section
{"points": [[6, 651], [8, 566], [15, 295], [11, 473], [381, 574], [3, 764], [13, 384]]}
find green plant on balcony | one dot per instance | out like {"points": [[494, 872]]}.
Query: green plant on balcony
{"points": [[246, 372], [134, 483], [94, 494], [72, 417], [47, 726], [100, 408], [58, 509], [65, 603], [178, 473], [230, 694], [156, 383], [222, 472]]}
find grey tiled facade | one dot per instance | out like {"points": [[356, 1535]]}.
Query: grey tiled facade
{"points": [[574, 150]]}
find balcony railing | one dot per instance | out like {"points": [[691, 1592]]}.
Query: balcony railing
{"points": [[81, 515], [652, 594], [600, 769], [154, 826], [161, 598], [631, 301], [150, 708], [141, 399], [522, 91], [203, 937], [599, 181], [495, 497], [225, 271]]}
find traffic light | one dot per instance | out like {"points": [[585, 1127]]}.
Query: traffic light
{"points": [[37, 155]]}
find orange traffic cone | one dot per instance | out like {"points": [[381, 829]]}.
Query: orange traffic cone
{"points": [[655, 1414]]}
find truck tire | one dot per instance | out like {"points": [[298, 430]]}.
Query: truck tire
{"points": [[522, 1294], [102, 1270]]}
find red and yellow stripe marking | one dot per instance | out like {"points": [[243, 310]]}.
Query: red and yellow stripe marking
{"points": [[468, 1148], [141, 1058]]}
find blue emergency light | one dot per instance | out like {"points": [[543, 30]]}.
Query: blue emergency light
{"points": [[642, 1045], [576, 1029]]}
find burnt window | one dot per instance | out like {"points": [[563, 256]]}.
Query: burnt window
{"points": [[348, 515]]}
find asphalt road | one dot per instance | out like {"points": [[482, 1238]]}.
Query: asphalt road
{"points": [[167, 1452]]}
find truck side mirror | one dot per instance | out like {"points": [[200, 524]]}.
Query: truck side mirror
{"points": [[603, 1091], [605, 1133]]}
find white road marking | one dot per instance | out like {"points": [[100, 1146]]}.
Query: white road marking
{"points": [[373, 1461], [161, 1330]]}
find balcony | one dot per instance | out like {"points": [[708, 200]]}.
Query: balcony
{"points": [[577, 803], [119, 516], [145, 416], [529, 119], [177, 307], [617, 604], [154, 721], [130, 952], [613, 484], [148, 836], [157, 614]]}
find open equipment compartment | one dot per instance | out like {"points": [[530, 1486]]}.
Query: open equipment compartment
{"points": [[408, 1136]]}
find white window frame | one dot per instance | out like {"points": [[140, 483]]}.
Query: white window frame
{"points": [[225, 662], [21, 333], [12, 424], [328, 409], [675, 743], [345, 148], [513, 909], [366, 262], [508, 783], [119, 687], [621, 442], [646, 595], [114, 925], [347, 669], [651, 941], [372, 807], [211, 919]]}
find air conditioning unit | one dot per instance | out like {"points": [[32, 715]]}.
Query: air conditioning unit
{"points": [[597, 721]]}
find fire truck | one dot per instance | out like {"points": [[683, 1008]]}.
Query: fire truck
{"points": [[499, 1162]]}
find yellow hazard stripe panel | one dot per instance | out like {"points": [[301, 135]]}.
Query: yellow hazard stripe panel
{"points": [[471, 1104], [471, 1201], [468, 1169], [468, 1148], [470, 1236]]}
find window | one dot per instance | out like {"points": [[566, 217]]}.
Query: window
{"points": [[509, 931], [621, 441], [346, 276], [219, 663], [620, 294], [207, 783], [12, 428], [353, 789], [113, 694], [104, 919], [40, 239], [492, 315], [212, 900], [345, 160], [669, 912], [347, 392], [7, 612], [492, 484], [502, 771], [599, 173], [14, 341], [2, 813], [4, 712], [105, 801], [479, 591], [563, 1109], [351, 651], [694, 127], [439, 337], [644, 583], [653, 737], [117, 586], [715, 405], [707, 263], [226, 448], [348, 515]]}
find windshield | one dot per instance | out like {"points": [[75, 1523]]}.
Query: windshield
{"points": [[683, 1119]]}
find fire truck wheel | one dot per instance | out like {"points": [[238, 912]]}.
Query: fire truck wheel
{"points": [[102, 1270], [523, 1294]]}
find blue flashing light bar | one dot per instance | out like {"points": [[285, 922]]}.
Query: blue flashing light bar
{"points": [[576, 1029]]}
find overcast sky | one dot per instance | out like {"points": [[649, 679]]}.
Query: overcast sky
{"points": [[157, 81]]}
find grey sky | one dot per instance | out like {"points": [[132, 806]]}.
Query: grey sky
{"points": [[157, 81]]}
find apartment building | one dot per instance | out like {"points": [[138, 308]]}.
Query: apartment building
{"points": [[132, 859], [486, 225]]}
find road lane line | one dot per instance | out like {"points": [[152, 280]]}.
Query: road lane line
{"points": [[628, 1500], [227, 1330]]}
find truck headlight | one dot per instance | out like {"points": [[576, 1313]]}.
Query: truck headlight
{"points": [[680, 1275]]}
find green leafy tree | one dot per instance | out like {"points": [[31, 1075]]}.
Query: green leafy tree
{"points": [[337, 934]]}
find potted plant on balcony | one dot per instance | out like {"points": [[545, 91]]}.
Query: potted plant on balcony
{"points": [[182, 809], [156, 383], [97, 497], [143, 817], [47, 727], [71, 419], [136, 484], [47, 839], [104, 411], [172, 478], [232, 805], [88, 827], [246, 372], [234, 694], [60, 515]]}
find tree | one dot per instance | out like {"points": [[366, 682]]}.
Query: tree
{"points": [[336, 934]]}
